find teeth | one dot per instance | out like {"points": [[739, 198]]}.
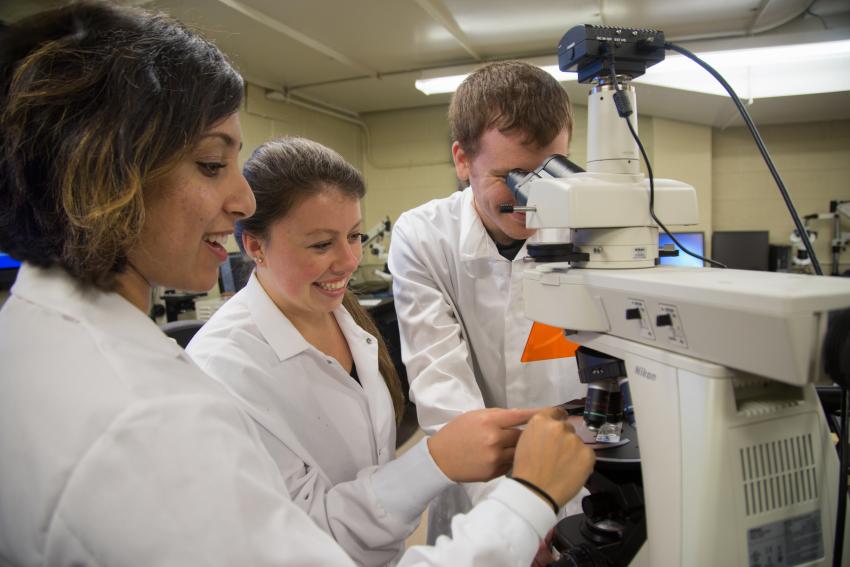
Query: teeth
{"points": [[332, 286], [220, 239]]}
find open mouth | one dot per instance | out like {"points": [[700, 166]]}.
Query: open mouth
{"points": [[333, 287], [216, 243]]}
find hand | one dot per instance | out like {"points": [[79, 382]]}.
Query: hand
{"points": [[478, 445], [550, 455]]}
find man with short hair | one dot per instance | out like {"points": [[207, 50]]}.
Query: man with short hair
{"points": [[457, 264]]}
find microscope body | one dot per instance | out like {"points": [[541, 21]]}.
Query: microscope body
{"points": [[737, 463], [737, 468]]}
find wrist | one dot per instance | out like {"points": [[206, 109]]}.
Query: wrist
{"points": [[434, 451], [542, 494]]}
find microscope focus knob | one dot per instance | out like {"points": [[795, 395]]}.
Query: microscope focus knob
{"points": [[598, 505], [664, 320]]}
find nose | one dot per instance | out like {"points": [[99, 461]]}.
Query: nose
{"points": [[348, 257], [241, 202]]}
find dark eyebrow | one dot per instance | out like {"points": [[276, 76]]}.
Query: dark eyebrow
{"points": [[228, 141]]}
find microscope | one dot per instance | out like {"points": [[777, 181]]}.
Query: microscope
{"points": [[736, 459]]}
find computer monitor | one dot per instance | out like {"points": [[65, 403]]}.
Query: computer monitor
{"points": [[741, 249], [693, 241], [234, 273], [8, 270]]}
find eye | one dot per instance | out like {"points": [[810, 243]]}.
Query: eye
{"points": [[210, 168], [322, 246], [357, 237]]}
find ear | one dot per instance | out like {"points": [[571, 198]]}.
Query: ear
{"points": [[462, 162], [253, 246]]}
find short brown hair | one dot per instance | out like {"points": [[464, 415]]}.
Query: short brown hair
{"points": [[97, 103], [510, 96]]}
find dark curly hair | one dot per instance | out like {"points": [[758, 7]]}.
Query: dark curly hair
{"points": [[97, 103]]}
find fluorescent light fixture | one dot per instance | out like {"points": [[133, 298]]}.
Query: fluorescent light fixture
{"points": [[760, 72], [439, 85], [756, 72], [450, 81]]}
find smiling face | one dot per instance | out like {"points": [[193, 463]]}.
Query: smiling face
{"points": [[499, 153], [309, 255], [189, 214]]}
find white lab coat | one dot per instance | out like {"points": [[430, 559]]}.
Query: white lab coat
{"points": [[460, 314], [115, 449], [333, 439], [463, 330]]}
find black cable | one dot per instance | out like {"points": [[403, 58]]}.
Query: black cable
{"points": [[624, 110], [836, 365], [757, 137], [838, 547], [652, 203]]}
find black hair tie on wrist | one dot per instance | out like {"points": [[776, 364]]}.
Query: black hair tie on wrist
{"points": [[539, 491]]}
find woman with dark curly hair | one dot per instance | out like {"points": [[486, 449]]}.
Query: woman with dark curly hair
{"points": [[118, 172]]}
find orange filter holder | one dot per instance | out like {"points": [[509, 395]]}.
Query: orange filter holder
{"points": [[546, 342]]}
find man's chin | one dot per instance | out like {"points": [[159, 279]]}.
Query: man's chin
{"points": [[517, 233]]}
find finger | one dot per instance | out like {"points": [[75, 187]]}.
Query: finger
{"points": [[554, 413], [513, 417]]}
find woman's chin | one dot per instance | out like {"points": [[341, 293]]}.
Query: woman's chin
{"points": [[196, 283]]}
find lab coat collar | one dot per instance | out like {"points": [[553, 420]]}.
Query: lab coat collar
{"points": [[352, 331], [280, 333], [364, 351], [107, 314], [475, 242]]}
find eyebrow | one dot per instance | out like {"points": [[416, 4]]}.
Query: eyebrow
{"points": [[329, 231], [229, 142]]}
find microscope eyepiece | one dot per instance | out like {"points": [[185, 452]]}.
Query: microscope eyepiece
{"points": [[556, 165], [515, 178]]}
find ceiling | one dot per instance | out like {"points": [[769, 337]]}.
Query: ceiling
{"points": [[359, 56]]}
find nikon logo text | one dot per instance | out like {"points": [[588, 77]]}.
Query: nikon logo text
{"points": [[641, 371]]}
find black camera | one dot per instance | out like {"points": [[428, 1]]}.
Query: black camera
{"points": [[591, 50]]}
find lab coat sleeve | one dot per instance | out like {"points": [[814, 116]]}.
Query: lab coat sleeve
{"points": [[504, 529], [435, 353], [182, 481], [187, 482], [370, 516]]}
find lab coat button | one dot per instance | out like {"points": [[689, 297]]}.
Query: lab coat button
{"points": [[369, 340]]}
